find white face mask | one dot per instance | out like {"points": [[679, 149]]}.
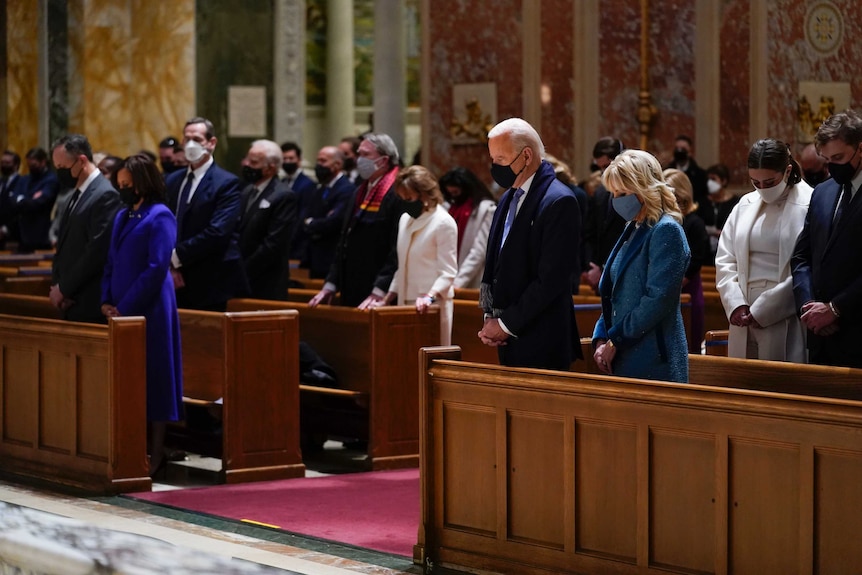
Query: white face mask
{"points": [[366, 167], [713, 187], [772, 194], [194, 151]]}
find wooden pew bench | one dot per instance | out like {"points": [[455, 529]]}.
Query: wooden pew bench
{"points": [[713, 311], [245, 367], [26, 285], [533, 471], [73, 401], [375, 355], [715, 342]]}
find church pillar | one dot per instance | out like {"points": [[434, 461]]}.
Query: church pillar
{"points": [[340, 83], [289, 71], [390, 71]]}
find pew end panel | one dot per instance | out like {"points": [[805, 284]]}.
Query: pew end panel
{"points": [[73, 403], [243, 366], [575, 473], [715, 342]]}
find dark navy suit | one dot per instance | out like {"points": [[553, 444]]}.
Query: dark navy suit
{"points": [[304, 188], [328, 206], [528, 284], [207, 240], [827, 267], [32, 205]]}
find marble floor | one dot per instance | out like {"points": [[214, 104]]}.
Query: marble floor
{"points": [[268, 550]]}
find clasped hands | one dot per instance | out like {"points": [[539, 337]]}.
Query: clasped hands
{"points": [[58, 300], [109, 310], [492, 334], [741, 317], [819, 318], [604, 356]]}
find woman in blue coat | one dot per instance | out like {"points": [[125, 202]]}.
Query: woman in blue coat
{"points": [[640, 332], [137, 281]]}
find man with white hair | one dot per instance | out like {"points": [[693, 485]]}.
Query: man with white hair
{"points": [[532, 255], [269, 219]]}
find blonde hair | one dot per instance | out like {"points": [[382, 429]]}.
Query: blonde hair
{"points": [[639, 172], [422, 181], [681, 185]]}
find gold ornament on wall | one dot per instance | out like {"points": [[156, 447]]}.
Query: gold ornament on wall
{"points": [[474, 112]]}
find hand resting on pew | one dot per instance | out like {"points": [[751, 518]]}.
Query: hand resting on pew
{"points": [[492, 334], [324, 296]]}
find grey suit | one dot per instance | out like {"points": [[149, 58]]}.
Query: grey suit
{"points": [[82, 250]]}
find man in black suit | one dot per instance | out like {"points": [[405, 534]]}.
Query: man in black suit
{"points": [[683, 161], [603, 225], [329, 203], [85, 234], [34, 202], [827, 261], [303, 186], [532, 255], [268, 221], [10, 183], [365, 256], [206, 265]]}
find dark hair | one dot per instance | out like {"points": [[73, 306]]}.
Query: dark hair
{"points": [[113, 164], [607, 146], [38, 154], [719, 170], [771, 154], [169, 142], [149, 154], [15, 157], [75, 145], [208, 126], [845, 126], [469, 183], [148, 180], [291, 147], [685, 139], [353, 141]]}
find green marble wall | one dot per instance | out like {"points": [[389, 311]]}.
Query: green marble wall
{"points": [[234, 48]]}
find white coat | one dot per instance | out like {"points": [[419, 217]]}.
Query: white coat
{"points": [[776, 306], [474, 244], [427, 263]]}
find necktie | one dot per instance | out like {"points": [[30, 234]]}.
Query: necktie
{"points": [[510, 215], [843, 204], [254, 195], [184, 202], [72, 202]]}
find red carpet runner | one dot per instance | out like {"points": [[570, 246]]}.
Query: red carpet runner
{"points": [[378, 510]]}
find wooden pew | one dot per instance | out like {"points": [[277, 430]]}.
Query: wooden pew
{"points": [[713, 311], [375, 355], [245, 365], [73, 402], [575, 473], [715, 341], [28, 305], [26, 285]]}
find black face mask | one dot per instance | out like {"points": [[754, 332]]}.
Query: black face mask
{"points": [[8, 171], [168, 167], [252, 175], [290, 168], [349, 164], [129, 196], [66, 179], [680, 155], [414, 208], [504, 175], [322, 173], [814, 178], [843, 173]]}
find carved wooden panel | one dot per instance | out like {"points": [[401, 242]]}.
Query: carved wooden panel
{"points": [[606, 488], [20, 395], [469, 468], [837, 511], [94, 405], [57, 393]]}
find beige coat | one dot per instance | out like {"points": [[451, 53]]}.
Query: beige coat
{"points": [[427, 263], [471, 256], [776, 306]]}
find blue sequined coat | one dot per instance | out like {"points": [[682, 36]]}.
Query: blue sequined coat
{"points": [[640, 291]]}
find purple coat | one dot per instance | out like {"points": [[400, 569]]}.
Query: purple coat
{"points": [[138, 282]]}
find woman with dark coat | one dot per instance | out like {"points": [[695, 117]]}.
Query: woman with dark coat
{"points": [[137, 281]]}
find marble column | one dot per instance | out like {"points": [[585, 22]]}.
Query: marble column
{"points": [[390, 70], [289, 70], [585, 71], [707, 76], [340, 83]]}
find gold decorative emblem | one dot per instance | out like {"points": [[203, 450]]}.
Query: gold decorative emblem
{"points": [[824, 27], [476, 125]]}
